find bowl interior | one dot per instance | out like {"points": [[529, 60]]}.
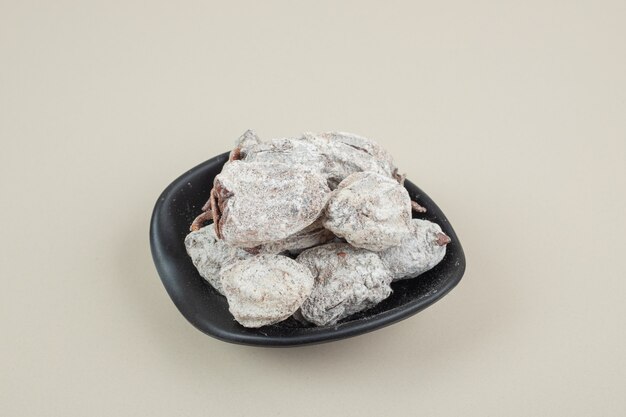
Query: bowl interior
{"points": [[208, 311]]}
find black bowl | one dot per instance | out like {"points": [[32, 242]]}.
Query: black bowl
{"points": [[208, 311]]}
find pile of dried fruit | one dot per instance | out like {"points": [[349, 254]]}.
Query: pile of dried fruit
{"points": [[316, 226]]}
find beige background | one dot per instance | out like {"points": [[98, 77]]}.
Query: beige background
{"points": [[511, 115]]}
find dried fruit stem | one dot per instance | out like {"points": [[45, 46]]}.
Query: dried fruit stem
{"points": [[210, 212], [235, 155], [217, 213], [399, 177], [417, 208], [198, 222], [443, 239]]}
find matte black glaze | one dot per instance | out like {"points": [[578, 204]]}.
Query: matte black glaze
{"points": [[208, 311]]}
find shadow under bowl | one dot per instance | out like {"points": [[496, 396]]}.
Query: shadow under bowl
{"points": [[208, 311]]}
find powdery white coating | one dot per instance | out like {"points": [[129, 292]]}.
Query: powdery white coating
{"points": [[347, 280], [370, 211], [363, 144], [210, 254], [292, 151], [265, 289], [335, 154], [350, 153], [264, 202], [249, 138], [310, 236], [418, 253]]}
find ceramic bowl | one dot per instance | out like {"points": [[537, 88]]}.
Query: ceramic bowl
{"points": [[208, 311]]}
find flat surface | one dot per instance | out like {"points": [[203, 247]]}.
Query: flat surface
{"points": [[207, 309], [509, 114]]}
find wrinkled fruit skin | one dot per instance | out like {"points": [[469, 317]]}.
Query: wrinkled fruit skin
{"points": [[290, 151], [265, 289], [262, 202], [210, 254], [310, 236], [335, 155], [347, 280], [292, 196], [370, 211], [418, 253], [350, 153]]}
